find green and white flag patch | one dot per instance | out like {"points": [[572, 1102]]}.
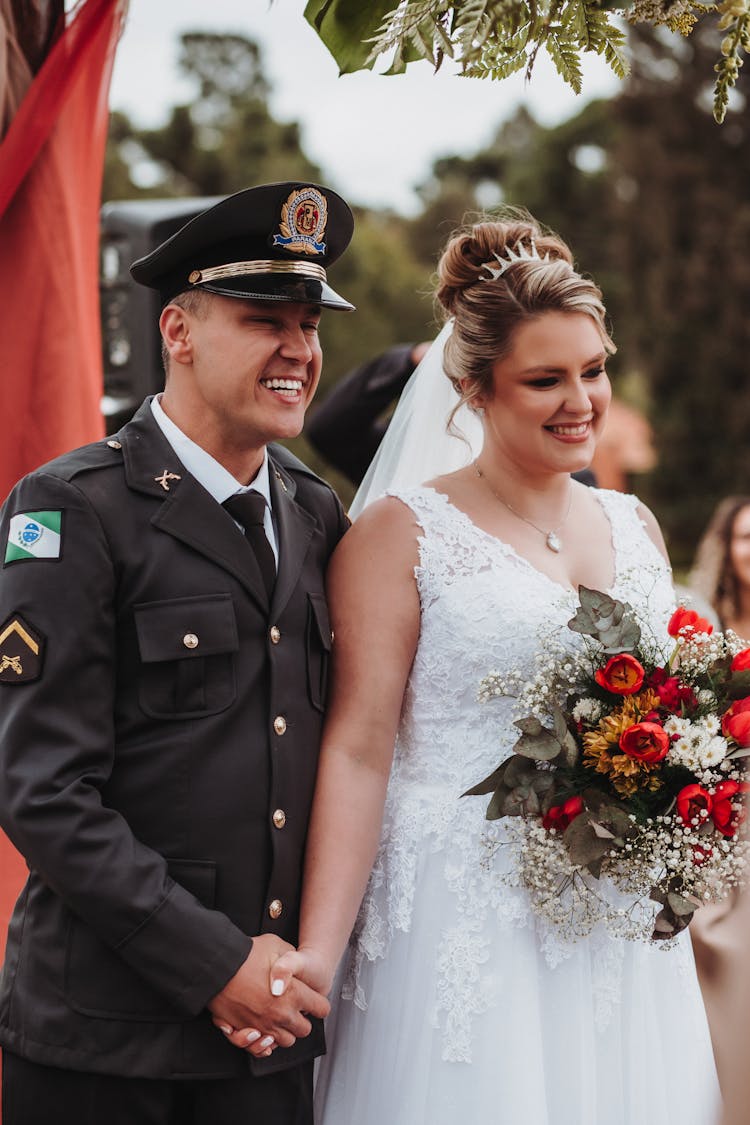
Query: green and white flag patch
{"points": [[34, 535]]}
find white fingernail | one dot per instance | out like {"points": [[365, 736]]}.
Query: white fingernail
{"points": [[277, 987], [253, 1036], [225, 1028], [266, 1042]]}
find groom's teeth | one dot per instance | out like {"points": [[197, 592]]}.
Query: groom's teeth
{"points": [[283, 384]]}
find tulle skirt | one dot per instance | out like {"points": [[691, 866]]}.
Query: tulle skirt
{"points": [[566, 1044]]}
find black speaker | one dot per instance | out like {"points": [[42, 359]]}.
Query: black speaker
{"points": [[131, 343]]}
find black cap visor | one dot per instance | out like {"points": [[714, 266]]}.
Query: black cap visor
{"points": [[262, 287]]}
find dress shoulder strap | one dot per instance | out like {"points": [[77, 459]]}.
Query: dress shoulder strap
{"points": [[634, 547]]}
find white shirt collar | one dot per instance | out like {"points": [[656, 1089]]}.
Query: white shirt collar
{"points": [[216, 480]]}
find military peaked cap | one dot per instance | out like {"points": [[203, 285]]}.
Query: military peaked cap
{"points": [[268, 243]]}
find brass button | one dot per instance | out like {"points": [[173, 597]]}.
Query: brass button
{"points": [[279, 818], [275, 634], [276, 908], [279, 724], [190, 640], [114, 444]]}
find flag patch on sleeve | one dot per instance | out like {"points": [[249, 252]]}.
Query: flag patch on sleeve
{"points": [[21, 651], [34, 535]]}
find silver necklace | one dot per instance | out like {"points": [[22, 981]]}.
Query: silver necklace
{"points": [[551, 538]]}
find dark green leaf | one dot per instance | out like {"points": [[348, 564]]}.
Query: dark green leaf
{"points": [[345, 26]]}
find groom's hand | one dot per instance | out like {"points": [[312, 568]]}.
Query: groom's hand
{"points": [[267, 1019]]}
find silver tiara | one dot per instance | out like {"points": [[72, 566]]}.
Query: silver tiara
{"points": [[509, 257]]}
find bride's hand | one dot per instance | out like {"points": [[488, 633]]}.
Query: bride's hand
{"points": [[307, 964]]}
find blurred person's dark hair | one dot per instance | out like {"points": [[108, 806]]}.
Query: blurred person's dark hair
{"points": [[713, 576]]}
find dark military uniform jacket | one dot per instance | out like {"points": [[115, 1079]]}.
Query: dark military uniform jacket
{"points": [[159, 731]]}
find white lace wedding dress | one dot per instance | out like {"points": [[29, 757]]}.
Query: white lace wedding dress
{"points": [[458, 1006]]}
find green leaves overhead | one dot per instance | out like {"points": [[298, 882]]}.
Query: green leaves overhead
{"points": [[496, 38], [346, 27]]}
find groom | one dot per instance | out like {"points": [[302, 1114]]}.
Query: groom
{"points": [[164, 642]]}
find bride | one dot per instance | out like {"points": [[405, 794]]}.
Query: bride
{"points": [[456, 1002]]}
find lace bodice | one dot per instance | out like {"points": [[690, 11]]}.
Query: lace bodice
{"points": [[483, 608]]}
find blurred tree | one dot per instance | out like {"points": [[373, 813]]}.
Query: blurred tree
{"points": [[224, 140], [683, 240]]}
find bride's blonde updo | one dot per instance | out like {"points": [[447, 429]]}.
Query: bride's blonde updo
{"points": [[487, 311]]}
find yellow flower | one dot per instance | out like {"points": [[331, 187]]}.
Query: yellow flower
{"points": [[601, 747]]}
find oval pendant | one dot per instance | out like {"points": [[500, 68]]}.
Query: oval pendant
{"points": [[553, 542]]}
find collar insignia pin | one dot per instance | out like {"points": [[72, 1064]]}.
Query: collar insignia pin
{"points": [[281, 480], [165, 477]]}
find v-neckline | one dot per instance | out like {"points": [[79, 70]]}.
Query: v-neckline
{"points": [[509, 549]]}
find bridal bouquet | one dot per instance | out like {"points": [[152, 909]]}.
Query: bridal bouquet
{"points": [[629, 769]]}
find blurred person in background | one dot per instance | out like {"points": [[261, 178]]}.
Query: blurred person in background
{"points": [[721, 571], [720, 579]]}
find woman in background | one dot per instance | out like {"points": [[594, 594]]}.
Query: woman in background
{"points": [[721, 572], [721, 578]]}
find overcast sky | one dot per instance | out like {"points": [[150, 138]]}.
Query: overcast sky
{"points": [[375, 137]]}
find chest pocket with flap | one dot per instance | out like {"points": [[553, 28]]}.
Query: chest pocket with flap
{"points": [[187, 648]]}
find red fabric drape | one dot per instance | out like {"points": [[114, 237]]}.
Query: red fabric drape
{"points": [[51, 162]]}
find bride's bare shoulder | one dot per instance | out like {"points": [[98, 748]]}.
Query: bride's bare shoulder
{"points": [[385, 527]]}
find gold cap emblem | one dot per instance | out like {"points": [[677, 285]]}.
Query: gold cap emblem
{"points": [[304, 215]]}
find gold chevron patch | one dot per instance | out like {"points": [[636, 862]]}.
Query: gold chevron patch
{"points": [[21, 651]]}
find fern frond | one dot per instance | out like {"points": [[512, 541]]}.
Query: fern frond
{"points": [[564, 55]]}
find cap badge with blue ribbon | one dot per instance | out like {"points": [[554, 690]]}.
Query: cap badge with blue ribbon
{"points": [[303, 222]]}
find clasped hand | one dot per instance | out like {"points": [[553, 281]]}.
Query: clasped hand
{"points": [[267, 1002]]}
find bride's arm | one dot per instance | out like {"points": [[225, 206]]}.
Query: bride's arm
{"points": [[375, 615]]}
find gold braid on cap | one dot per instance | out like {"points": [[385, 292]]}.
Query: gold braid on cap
{"points": [[240, 269], [510, 256]]}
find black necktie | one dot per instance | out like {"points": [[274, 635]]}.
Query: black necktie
{"points": [[248, 508]]}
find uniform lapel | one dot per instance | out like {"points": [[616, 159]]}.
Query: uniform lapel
{"points": [[187, 511], [295, 528]]}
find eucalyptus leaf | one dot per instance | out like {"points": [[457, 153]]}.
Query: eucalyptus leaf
{"points": [[679, 905], [543, 782], [617, 819], [664, 924], [529, 725], [491, 783], [569, 752], [582, 843], [541, 747], [519, 771], [594, 866], [496, 807]]}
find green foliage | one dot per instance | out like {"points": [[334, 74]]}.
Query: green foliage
{"points": [[345, 26], [496, 38], [225, 139]]}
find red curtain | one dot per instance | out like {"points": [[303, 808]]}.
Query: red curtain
{"points": [[51, 162]]}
